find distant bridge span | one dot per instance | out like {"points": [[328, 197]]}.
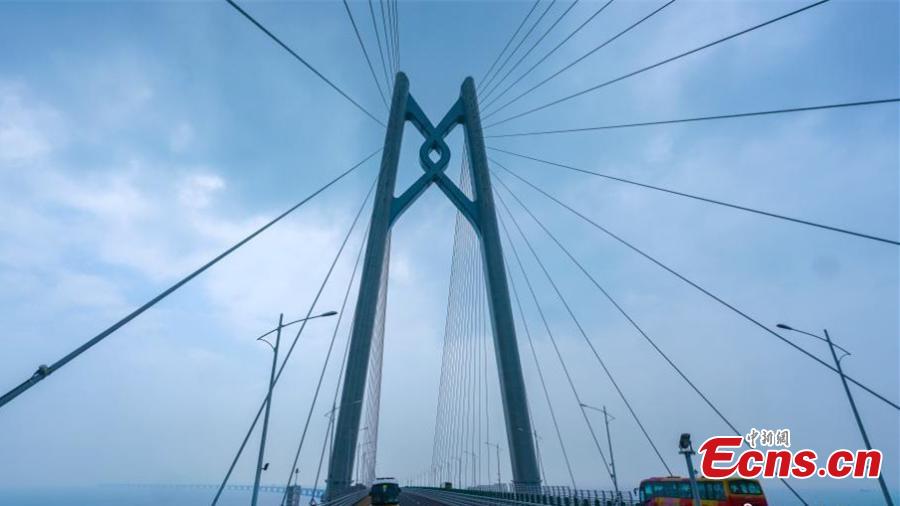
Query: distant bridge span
{"points": [[307, 492]]}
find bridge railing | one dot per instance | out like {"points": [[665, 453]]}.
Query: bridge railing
{"points": [[550, 495]]}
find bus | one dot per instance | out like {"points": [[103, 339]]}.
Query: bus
{"points": [[676, 491], [384, 491]]}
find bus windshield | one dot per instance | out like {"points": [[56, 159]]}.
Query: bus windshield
{"points": [[385, 493]]}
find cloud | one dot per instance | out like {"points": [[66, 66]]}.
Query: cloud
{"points": [[88, 242], [26, 127], [181, 137], [133, 157], [197, 190]]}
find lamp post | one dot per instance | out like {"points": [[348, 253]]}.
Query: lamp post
{"points": [[458, 471], [288, 324], [467, 452], [487, 468], [840, 370], [448, 471], [330, 414], [359, 446], [612, 461], [537, 450], [497, 447], [368, 455], [265, 428], [686, 448]]}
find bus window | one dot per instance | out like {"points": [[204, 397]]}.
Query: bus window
{"points": [[711, 490], [653, 489], [716, 491], [670, 489], [745, 487]]}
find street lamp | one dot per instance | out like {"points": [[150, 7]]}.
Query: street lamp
{"points": [[497, 447], [288, 324], [369, 449], [262, 440], [687, 449], [612, 461], [448, 471], [358, 450], [840, 370], [474, 479], [458, 471], [537, 450]]}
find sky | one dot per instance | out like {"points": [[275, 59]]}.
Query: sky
{"points": [[138, 140]]}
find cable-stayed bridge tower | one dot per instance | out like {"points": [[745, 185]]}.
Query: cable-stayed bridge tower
{"points": [[480, 213], [459, 400]]}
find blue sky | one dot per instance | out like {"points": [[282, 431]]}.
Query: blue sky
{"points": [[139, 139]]}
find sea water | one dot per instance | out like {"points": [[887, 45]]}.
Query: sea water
{"points": [[129, 496]]}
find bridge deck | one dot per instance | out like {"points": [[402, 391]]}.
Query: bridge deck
{"points": [[406, 499], [414, 499]]}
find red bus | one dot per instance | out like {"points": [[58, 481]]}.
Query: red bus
{"points": [[676, 491]]}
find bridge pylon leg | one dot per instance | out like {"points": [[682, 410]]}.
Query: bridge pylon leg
{"points": [[481, 214]]}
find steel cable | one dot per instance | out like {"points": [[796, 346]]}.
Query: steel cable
{"points": [[706, 292], [519, 44], [534, 46], [330, 348], [388, 76], [702, 199], [550, 334], [290, 351], [508, 42], [537, 366], [45, 371], [698, 118], [578, 60], [630, 320], [536, 64], [657, 64], [365, 54], [302, 60], [337, 325]]}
